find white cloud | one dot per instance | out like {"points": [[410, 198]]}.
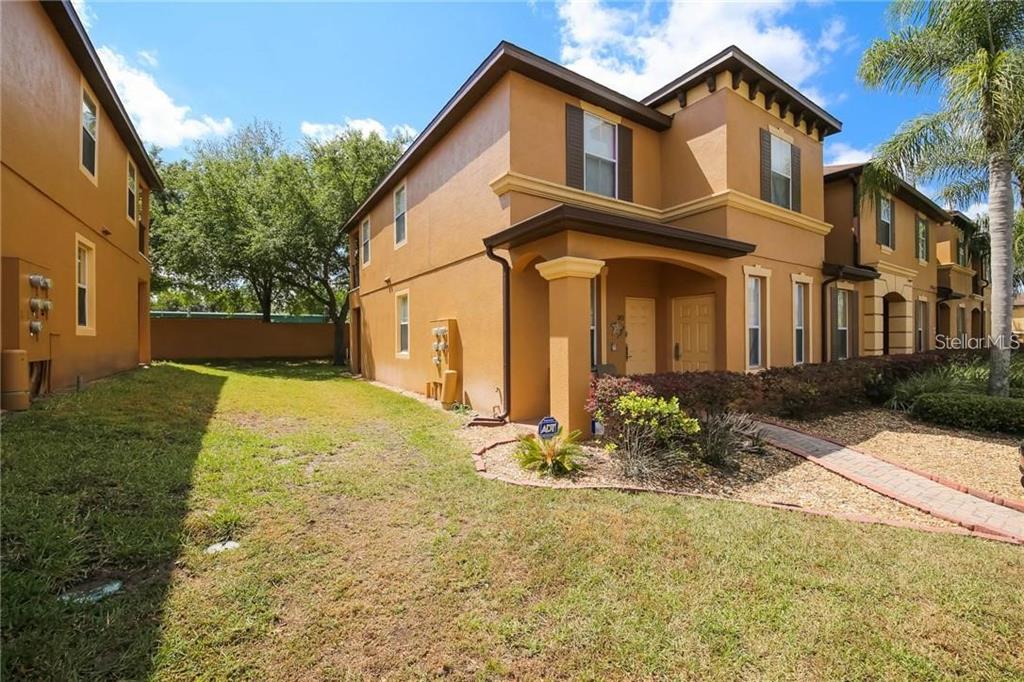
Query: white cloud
{"points": [[158, 118], [839, 153], [84, 12], [148, 57], [634, 52], [365, 126]]}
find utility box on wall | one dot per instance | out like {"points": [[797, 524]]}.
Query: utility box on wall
{"points": [[445, 384], [25, 330]]}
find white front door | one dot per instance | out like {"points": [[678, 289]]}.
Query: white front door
{"points": [[640, 314]]}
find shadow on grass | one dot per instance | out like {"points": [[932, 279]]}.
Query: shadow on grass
{"points": [[95, 487], [305, 370]]}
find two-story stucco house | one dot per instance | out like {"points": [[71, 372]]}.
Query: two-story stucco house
{"points": [[907, 260], [75, 181], [543, 225]]}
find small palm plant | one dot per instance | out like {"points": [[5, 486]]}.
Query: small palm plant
{"points": [[555, 456]]}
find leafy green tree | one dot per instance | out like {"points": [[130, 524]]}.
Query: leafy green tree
{"points": [[318, 190], [972, 51], [216, 229]]}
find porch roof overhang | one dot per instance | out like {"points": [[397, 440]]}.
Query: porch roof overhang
{"points": [[850, 272], [578, 219]]}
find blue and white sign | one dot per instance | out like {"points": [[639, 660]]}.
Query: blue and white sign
{"points": [[548, 428]]}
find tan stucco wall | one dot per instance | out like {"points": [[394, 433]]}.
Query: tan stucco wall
{"points": [[201, 338], [47, 200], [451, 208]]}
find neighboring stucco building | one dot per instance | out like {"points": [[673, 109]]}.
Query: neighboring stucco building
{"points": [[75, 212], [683, 231], [905, 269]]}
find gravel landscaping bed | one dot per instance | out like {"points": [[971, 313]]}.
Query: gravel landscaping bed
{"points": [[984, 461], [775, 477]]}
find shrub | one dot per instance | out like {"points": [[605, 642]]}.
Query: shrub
{"points": [[971, 411], [947, 379], [604, 391], [649, 438], [723, 434], [557, 456]]}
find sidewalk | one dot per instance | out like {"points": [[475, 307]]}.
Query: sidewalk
{"points": [[904, 486]]}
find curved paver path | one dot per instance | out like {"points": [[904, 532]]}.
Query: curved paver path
{"points": [[900, 484]]}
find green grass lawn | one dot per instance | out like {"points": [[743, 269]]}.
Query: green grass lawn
{"points": [[369, 547]]}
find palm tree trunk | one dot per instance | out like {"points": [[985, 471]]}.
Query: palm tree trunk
{"points": [[1000, 196]]}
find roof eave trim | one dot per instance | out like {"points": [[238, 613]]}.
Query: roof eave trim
{"points": [[74, 35]]}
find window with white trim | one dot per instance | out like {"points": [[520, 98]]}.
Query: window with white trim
{"points": [[85, 286], [90, 132], [400, 214], [364, 242], [842, 324], [402, 318], [961, 250], [782, 172], [885, 228], [755, 335], [799, 323], [600, 158], [133, 192], [961, 322], [922, 239], [919, 331]]}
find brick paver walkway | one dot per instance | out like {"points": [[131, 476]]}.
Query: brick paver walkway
{"points": [[905, 486]]}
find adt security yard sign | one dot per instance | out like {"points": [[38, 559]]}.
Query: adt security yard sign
{"points": [[548, 428]]}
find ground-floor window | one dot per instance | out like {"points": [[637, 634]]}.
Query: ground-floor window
{"points": [[799, 323], [594, 356], [755, 318], [961, 321], [85, 286], [921, 326], [842, 324], [402, 317]]}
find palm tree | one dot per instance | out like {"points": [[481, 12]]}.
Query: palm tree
{"points": [[972, 51]]}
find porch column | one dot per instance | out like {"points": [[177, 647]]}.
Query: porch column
{"points": [[569, 337]]}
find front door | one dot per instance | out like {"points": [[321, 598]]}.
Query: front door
{"points": [[640, 335], [693, 333]]}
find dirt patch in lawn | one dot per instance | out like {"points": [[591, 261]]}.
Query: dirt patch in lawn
{"points": [[983, 461], [264, 424], [772, 477]]}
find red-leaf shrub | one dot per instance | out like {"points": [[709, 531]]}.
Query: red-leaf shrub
{"points": [[803, 391]]}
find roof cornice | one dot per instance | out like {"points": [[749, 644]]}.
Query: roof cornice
{"points": [[759, 78], [71, 31], [906, 192]]}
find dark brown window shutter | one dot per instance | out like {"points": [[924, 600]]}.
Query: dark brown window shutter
{"points": [[854, 332], [892, 224], [625, 163], [573, 146], [795, 172], [766, 165], [834, 327], [880, 236]]}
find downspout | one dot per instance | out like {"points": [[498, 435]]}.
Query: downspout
{"points": [[506, 350]]}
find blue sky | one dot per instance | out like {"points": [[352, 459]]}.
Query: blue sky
{"points": [[190, 71]]}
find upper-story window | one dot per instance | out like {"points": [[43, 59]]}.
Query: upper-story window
{"points": [[400, 225], [886, 232], [599, 155], [961, 250], [782, 172], [90, 133], [364, 241], [133, 192], [922, 239]]}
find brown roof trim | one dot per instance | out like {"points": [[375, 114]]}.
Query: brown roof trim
{"points": [[852, 273], [746, 68], [504, 58], [961, 220], [71, 31], [907, 192], [567, 217]]}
